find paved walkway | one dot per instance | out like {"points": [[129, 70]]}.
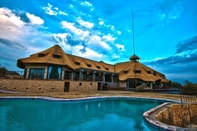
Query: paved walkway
{"points": [[71, 95]]}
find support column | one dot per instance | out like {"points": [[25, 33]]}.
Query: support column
{"points": [[151, 85], [80, 75], [45, 73], [103, 77], [112, 78], [63, 72], [27, 74], [72, 76], [93, 76], [161, 85]]}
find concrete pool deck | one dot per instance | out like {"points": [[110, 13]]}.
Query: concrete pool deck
{"points": [[71, 95]]}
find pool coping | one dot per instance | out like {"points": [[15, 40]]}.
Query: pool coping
{"points": [[87, 98]]}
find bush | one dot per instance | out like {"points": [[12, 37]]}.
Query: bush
{"points": [[189, 88], [3, 70], [140, 88]]}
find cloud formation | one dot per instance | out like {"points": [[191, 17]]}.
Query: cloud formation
{"points": [[11, 44], [35, 20], [50, 10], [182, 64], [187, 45]]}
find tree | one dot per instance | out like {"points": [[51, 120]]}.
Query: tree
{"points": [[190, 88], [175, 85], [3, 70]]}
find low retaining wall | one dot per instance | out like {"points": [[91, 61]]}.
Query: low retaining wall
{"points": [[182, 115], [157, 117], [41, 86]]}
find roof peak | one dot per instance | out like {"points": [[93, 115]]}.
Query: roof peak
{"points": [[134, 57]]}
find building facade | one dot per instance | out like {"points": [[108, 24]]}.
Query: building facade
{"points": [[55, 64]]}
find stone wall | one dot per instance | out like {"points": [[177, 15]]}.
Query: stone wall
{"points": [[122, 84], [42, 86], [83, 86], [178, 115]]}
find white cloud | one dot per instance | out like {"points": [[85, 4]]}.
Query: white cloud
{"points": [[100, 19], [129, 31], [78, 32], [97, 42], [101, 22], [86, 3], [91, 54], [119, 32], [23, 34], [60, 39], [71, 5], [94, 42], [112, 28], [6, 16], [120, 47], [35, 19], [108, 37], [11, 25], [50, 10], [68, 25], [115, 56], [62, 13], [86, 24]]}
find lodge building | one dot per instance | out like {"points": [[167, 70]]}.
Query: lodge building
{"points": [[55, 64]]}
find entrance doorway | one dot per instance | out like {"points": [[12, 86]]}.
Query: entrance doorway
{"points": [[99, 86], [66, 86]]}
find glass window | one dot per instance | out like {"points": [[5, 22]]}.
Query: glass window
{"points": [[108, 78], [137, 71], [76, 75], [54, 72], [67, 75], [36, 73], [87, 76]]}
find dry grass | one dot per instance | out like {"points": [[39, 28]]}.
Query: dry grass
{"points": [[98, 93]]}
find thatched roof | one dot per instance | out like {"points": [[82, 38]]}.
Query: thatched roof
{"points": [[80, 62], [132, 70], [134, 57], [126, 70], [54, 55]]}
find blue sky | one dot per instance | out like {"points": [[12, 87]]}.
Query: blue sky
{"points": [[165, 32]]}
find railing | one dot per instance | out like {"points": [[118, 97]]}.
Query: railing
{"points": [[43, 75], [188, 96]]}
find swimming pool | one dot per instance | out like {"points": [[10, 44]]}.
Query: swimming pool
{"points": [[88, 115]]}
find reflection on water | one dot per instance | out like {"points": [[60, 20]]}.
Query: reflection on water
{"points": [[97, 115]]}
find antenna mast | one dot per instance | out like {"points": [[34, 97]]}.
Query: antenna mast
{"points": [[133, 32]]}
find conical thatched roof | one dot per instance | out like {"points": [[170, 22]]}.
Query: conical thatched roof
{"points": [[136, 70], [131, 70], [54, 55]]}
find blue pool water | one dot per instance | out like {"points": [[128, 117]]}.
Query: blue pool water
{"points": [[89, 115]]}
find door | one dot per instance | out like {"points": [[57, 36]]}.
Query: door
{"points": [[99, 86], [66, 86]]}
